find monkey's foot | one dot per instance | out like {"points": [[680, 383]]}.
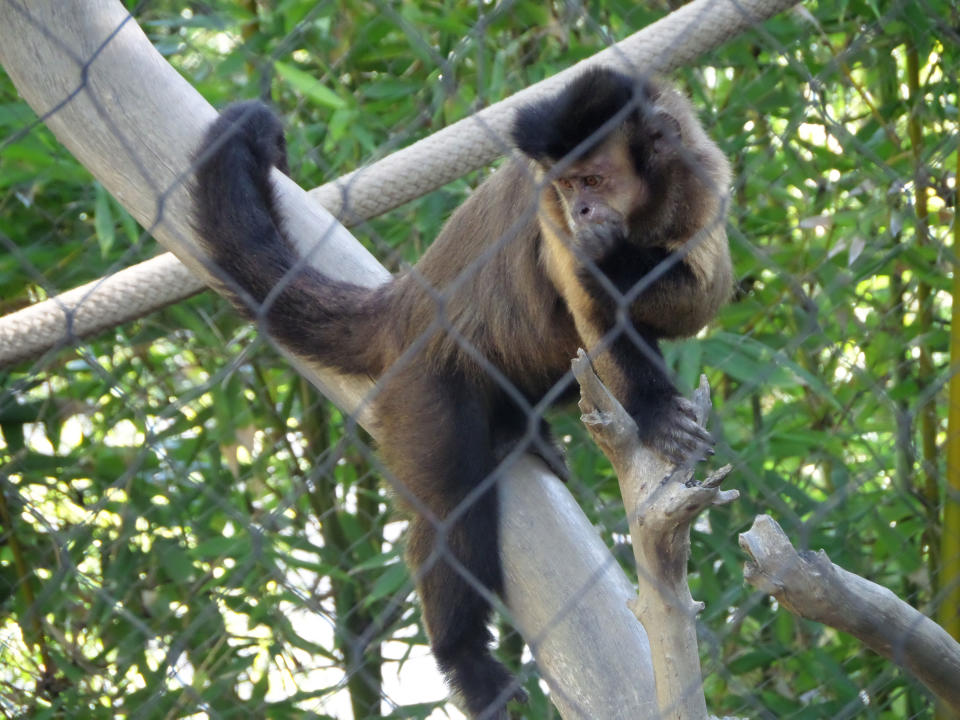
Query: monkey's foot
{"points": [[554, 457], [498, 710]]}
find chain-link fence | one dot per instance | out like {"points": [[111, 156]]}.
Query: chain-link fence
{"points": [[188, 528]]}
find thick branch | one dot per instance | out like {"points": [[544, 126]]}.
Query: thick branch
{"points": [[662, 502], [811, 586], [93, 77]]}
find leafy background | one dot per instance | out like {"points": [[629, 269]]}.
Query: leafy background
{"points": [[186, 530]]}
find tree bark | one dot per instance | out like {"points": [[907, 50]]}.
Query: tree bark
{"points": [[661, 502], [809, 585]]}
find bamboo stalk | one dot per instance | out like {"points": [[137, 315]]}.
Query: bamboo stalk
{"points": [[930, 491], [948, 613]]}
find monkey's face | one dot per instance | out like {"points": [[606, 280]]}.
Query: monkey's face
{"points": [[598, 195]]}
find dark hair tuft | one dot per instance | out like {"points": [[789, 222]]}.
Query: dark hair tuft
{"points": [[550, 129]]}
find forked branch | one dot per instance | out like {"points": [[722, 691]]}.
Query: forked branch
{"points": [[661, 502]]}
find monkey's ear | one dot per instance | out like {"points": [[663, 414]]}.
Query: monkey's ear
{"points": [[665, 131], [530, 130]]}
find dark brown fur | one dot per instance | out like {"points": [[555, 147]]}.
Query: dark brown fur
{"points": [[481, 331]]}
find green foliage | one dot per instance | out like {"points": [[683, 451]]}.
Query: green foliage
{"points": [[186, 530]]}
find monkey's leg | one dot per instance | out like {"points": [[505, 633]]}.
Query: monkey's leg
{"points": [[512, 430], [437, 444]]}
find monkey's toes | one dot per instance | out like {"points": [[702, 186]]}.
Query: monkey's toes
{"points": [[520, 696]]}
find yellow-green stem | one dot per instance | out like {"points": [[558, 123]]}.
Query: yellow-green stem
{"points": [[928, 414], [948, 613], [25, 582]]}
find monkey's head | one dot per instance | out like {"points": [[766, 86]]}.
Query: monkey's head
{"points": [[620, 155]]}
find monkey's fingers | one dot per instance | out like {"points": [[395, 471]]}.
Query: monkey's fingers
{"points": [[685, 450], [681, 439], [698, 430]]}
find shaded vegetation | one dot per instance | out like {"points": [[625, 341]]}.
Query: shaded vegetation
{"points": [[187, 530]]}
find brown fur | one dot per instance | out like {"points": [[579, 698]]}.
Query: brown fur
{"points": [[483, 328]]}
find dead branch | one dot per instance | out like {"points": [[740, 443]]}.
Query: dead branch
{"points": [[661, 503], [810, 586]]}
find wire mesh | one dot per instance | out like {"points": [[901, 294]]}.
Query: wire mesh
{"points": [[188, 529]]}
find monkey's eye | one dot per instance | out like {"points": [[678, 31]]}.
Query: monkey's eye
{"points": [[591, 180], [565, 183]]}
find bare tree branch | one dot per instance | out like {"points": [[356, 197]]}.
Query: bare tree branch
{"points": [[809, 585], [662, 502]]}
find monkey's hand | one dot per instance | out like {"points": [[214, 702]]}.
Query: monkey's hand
{"points": [[598, 239], [673, 431]]}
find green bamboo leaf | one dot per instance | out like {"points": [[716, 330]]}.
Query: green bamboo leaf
{"points": [[393, 578], [103, 223], [308, 85]]}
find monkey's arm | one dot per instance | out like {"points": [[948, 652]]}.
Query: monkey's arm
{"points": [[668, 300], [632, 368]]}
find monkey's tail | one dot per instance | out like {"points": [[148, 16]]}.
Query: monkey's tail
{"points": [[335, 323]]}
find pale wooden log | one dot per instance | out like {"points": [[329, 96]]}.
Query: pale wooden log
{"points": [[93, 77]]}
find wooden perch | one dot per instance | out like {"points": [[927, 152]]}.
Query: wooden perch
{"points": [[134, 122], [661, 502], [810, 586]]}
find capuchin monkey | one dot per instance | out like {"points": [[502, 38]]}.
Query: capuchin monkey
{"points": [[605, 231]]}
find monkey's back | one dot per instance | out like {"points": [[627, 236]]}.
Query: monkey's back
{"points": [[480, 297]]}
